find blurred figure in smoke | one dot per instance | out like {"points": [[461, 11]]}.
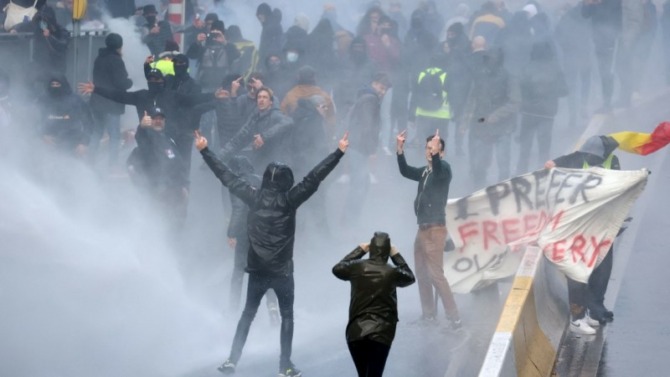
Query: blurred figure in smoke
{"points": [[246, 104], [215, 57], [606, 19], [542, 84], [50, 44], [266, 133], [248, 60], [487, 22], [66, 120], [156, 166], [373, 308], [321, 54], [434, 180], [364, 122], [7, 124], [271, 221], [199, 27], [573, 36], [306, 87], [272, 33], [355, 71], [155, 33], [238, 238], [491, 115], [587, 308], [109, 71]]}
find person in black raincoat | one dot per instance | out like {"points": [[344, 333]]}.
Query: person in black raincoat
{"points": [[66, 120], [373, 309], [271, 226], [238, 238], [587, 307]]}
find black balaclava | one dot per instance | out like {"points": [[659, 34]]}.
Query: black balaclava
{"points": [[358, 51], [180, 63], [155, 81], [60, 91], [380, 247], [277, 177]]}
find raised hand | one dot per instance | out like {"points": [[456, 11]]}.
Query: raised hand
{"points": [[435, 143], [343, 144], [258, 141], [146, 120], [85, 87], [400, 141], [200, 141]]}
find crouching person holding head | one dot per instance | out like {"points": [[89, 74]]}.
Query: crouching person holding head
{"points": [[373, 310]]}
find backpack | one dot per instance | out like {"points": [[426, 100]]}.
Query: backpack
{"points": [[430, 90]]}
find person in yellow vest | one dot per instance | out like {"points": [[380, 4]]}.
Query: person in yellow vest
{"points": [[429, 103], [587, 307], [164, 62]]}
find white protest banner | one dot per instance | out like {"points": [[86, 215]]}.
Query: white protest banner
{"points": [[572, 214]]}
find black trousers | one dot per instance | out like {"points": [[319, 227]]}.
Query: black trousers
{"points": [[369, 357], [284, 287], [598, 282]]}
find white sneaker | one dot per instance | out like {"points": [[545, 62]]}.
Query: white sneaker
{"points": [[580, 326], [592, 322]]}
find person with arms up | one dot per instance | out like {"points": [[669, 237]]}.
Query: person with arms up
{"points": [[271, 228], [373, 309], [429, 207]]}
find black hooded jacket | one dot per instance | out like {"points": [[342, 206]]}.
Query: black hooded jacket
{"points": [[109, 71], [65, 116], [272, 209], [237, 227], [373, 307]]}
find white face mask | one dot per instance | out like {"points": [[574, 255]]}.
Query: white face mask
{"points": [[292, 57]]}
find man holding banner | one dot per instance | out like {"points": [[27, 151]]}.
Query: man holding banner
{"points": [[587, 300], [429, 207]]}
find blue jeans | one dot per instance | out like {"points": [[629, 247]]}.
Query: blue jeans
{"points": [[110, 123]]}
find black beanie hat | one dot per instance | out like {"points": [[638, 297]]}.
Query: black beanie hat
{"points": [[264, 9], [114, 41], [218, 25]]}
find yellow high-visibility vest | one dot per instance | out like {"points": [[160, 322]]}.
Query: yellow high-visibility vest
{"points": [[443, 112]]}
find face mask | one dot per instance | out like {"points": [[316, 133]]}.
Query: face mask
{"points": [[292, 57], [180, 70], [56, 92], [150, 19], [156, 87]]}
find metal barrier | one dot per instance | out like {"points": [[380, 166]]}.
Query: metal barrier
{"points": [[16, 51]]}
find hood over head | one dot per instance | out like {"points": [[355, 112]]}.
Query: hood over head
{"points": [[113, 41], [380, 247], [600, 147], [277, 177], [64, 88]]}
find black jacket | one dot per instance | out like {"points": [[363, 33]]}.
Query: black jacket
{"points": [[214, 63], [373, 308], [66, 118], [109, 71], [431, 197], [272, 209], [237, 227], [157, 161]]}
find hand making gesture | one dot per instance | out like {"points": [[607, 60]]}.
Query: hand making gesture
{"points": [[344, 142], [400, 142], [200, 141]]}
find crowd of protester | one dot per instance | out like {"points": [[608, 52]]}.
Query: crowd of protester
{"points": [[487, 79]]}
